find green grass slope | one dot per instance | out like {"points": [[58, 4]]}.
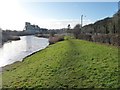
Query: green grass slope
{"points": [[67, 64]]}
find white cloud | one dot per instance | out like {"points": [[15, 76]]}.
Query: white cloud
{"points": [[54, 23]]}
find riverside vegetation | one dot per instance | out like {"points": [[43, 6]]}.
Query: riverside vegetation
{"points": [[71, 63]]}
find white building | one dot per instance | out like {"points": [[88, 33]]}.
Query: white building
{"points": [[32, 28]]}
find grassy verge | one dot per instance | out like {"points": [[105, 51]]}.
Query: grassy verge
{"points": [[67, 64]]}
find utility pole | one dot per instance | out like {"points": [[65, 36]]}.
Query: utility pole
{"points": [[81, 20], [119, 6]]}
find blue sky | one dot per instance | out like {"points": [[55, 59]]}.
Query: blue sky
{"points": [[52, 14], [72, 10]]}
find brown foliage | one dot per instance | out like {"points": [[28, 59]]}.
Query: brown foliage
{"points": [[55, 39], [110, 39], [113, 39], [77, 31], [85, 37]]}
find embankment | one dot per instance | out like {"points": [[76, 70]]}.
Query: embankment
{"points": [[68, 64]]}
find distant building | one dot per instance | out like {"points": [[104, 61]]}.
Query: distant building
{"points": [[32, 28]]}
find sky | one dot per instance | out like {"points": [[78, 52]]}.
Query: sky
{"points": [[52, 15]]}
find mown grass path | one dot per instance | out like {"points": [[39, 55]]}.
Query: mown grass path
{"points": [[67, 64]]}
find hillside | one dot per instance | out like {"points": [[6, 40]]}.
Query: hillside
{"points": [[109, 25], [68, 64], [102, 31]]}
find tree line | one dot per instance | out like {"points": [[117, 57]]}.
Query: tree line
{"points": [[103, 31]]}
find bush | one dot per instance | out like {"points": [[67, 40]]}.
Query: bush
{"points": [[54, 39], [103, 38], [85, 37], [115, 40], [76, 31], [110, 39]]}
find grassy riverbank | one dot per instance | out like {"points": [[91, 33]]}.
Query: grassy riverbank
{"points": [[67, 64]]}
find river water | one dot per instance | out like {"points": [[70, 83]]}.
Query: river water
{"points": [[14, 51]]}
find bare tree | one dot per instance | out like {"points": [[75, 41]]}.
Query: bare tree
{"points": [[69, 26], [77, 30]]}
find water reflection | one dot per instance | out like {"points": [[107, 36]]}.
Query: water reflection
{"points": [[28, 44], [17, 50]]}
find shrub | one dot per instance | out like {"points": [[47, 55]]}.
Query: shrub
{"points": [[85, 37], [54, 39], [109, 38]]}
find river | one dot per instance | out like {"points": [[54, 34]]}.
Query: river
{"points": [[14, 51]]}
